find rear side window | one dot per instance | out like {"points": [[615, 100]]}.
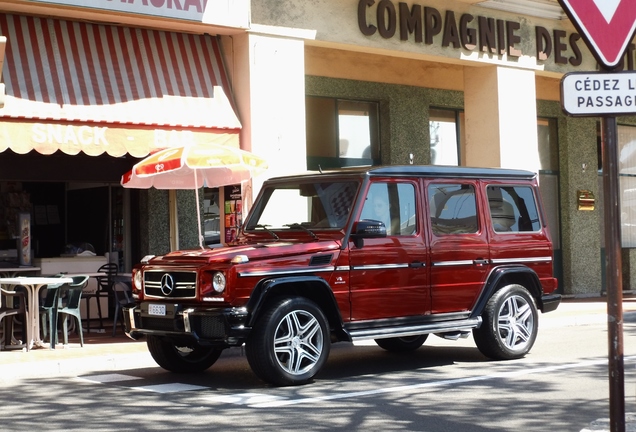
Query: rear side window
{"points": [[513, 209], [453, 209]]}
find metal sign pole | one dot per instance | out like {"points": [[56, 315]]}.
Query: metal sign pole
{"points": [[614, 277]]}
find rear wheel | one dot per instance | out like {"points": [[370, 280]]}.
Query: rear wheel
{"points": [[289, 343], [510, 324], [402, 344], [181, 357]]}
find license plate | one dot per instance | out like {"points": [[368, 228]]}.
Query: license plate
{"points": [[157, 309]]}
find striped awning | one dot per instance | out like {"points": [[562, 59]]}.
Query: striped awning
{"points": [[76, 72]]}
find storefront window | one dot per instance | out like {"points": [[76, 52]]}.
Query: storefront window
{"points": [[211, 217], [444, 126], [549, 174], [548, 143], [341, 133], [627, 174]]}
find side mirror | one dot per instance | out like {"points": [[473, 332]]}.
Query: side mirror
{"points": [[367, 228]]}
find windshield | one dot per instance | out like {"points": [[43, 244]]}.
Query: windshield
{"points": [[324, 205]]}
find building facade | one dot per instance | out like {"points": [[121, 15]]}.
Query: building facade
{"points": [[308, 85]]}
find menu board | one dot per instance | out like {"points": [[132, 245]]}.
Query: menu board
{"points": [[233, 212]]}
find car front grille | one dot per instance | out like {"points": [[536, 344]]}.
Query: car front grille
{"points": [[170, 284]]}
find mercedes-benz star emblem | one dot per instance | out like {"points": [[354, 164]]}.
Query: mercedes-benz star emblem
{"points": [[167, 284]]}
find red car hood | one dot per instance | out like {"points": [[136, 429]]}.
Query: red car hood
{"points": [[254, 252]]}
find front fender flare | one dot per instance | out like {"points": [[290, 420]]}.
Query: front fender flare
{"points": [[312, 287]]}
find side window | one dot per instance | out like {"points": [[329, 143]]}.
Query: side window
{"points": [[453, 209], [392, 204], [513, 209]]}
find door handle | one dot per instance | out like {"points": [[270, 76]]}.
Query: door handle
{"points": [[480, 261], [417, 264]]}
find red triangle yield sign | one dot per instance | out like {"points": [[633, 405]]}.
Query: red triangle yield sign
{"points": [[606, 25]]}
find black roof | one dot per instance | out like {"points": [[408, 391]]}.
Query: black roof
{"points": [[437, 171]]}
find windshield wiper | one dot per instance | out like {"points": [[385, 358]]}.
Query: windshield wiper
{"points": [[269, 231], [302, 227]]}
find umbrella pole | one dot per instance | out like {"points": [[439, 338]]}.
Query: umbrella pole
{"points": [[196, 193]]}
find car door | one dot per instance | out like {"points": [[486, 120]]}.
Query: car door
{"points": [[388, 276], [459, 253]]}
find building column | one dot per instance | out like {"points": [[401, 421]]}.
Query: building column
{"points": [[501, 118], [582, 234], [268, 80]]}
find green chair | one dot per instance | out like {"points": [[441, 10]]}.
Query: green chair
{"points": [[71, 296], [48, 306]]}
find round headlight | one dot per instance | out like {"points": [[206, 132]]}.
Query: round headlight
{"points": [[218, 282], [138, 280]]}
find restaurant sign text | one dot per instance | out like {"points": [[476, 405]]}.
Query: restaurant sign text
{"points": [[428, 25], [97, 139], [179, 9]]}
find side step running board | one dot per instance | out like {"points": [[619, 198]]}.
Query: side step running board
{"points": [[413, 330]]}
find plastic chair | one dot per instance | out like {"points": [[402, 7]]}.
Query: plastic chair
{"points": [[48, 308], [104, 290], [71, 296], [122, 291], [8, 312]]}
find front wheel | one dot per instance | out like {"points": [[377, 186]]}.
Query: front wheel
{"points": [[510, 324], [181, 357], [402, 344], [289, 343]]}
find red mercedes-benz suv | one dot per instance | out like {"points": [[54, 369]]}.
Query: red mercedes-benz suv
{"points": [[390, 253]]}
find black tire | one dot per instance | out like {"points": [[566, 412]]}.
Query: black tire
{"points": [[289, 343], [402, 344], [181, 357], [510, 324]]}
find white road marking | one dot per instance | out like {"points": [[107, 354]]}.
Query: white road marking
{"points": [[242, 398], [108, 378], [170, 388], [407, 388]]}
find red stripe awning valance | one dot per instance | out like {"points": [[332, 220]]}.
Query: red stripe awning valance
{"points": [[81, 72]]}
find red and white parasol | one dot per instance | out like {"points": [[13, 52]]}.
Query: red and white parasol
{"points": [[192, 167]]}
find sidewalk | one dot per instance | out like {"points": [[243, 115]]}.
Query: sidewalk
{"points": [[101, 352]]}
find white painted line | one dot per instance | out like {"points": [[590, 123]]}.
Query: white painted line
{"points": [[108, 378], [407, 388], [170, 388], [243, 398]]}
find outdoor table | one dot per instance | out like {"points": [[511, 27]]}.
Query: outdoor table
{"points": [[33, 284]]}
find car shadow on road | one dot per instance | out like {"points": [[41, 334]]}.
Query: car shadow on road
{"points": [[345, 362], [348, 361]]}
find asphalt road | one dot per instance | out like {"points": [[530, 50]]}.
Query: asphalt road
{"points": [[445, 386]]}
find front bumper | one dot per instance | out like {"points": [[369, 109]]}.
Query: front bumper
{"points": [[208, 326]]}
